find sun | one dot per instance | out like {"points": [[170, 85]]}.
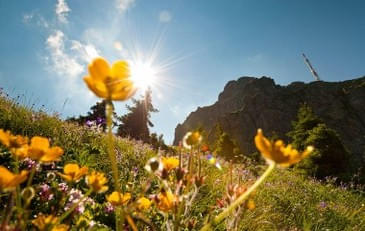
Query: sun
{"points": [[143, 74]]}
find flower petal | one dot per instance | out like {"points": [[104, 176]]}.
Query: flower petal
{"points": [[52, 154], [71, 168], [99, 69], [39, 142], [120, 70], [124, 91], [97, 87], [5, 176]]}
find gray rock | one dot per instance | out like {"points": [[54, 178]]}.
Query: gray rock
{"points": [[250, 103]]}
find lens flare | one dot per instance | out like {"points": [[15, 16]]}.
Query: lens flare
{"points": [[143, 74]]}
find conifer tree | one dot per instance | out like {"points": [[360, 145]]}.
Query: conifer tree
{"points": [[226, 147], [137, 121], [306, 121], [330, 157], [157, 142]]}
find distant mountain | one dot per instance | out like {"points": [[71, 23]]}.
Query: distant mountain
{"points": [[250, 103]]}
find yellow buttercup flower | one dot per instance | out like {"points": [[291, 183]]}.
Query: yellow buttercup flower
{"points": [[8, 180], [192, 139], [107, 82], [278, 152], [118, 198], [61, 227], [250, 204], [40, 150], [21, 152], [97, 181], [143, 203], [18, 145], [166, 201], [43, 222], [11, 141], [73, 173], [170, 163], [5, 137]]}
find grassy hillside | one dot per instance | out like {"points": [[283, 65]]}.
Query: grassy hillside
{"points": [[286, 201]]}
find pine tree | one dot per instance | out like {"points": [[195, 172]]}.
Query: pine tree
{"points": [[330, 157], [137, 121], [306, 121], [157, 142], [226, 147]]}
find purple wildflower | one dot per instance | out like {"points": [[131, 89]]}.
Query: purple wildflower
{"points": [[322, 204], [100, 121], [108, 208], [45, 192], [29, 163], [75, 195], [89, 123], [63, 187]]}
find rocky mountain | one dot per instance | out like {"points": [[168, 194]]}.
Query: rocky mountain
{"points": [[250, 103]]}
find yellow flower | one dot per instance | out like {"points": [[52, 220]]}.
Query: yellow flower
{"points": [[61, 227], [170, 163], [11, 141], [18, 145], [8, 180], [118, 198], [143, 204], [72, 172], [40, 150], [5, 137], [250, 204], [277, 152], [43, 222], [21, 152], [110, 83], [97, 181], [191, 139], [166, 201]]}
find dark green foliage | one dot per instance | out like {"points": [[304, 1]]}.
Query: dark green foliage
{"points": [[136, 122], [217, 133], [227, 147], [96, 115], [330, 157], [157, 142], [306, 121]]}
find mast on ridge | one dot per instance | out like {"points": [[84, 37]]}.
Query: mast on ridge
{"points": [[314, 73]]}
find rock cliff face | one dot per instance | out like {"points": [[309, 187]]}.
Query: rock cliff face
{"points": [[251, 103]]}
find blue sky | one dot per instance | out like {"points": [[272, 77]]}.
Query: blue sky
{"points": [[198, 46]]}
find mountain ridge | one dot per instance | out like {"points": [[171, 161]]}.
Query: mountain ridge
{"points": [[249, 103]]}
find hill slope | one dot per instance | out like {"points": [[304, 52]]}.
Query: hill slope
{"points": [[286, 201]]}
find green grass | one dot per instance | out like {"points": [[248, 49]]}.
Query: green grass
{"points": [[286, 201]]}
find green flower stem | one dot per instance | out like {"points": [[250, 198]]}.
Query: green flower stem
{"points": [[199, 164], [30, 179], [74, 206], [180, 158], [189, 162], [7, 211], [27, 202], [239, 200], [112, 157], [17, 198]]}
